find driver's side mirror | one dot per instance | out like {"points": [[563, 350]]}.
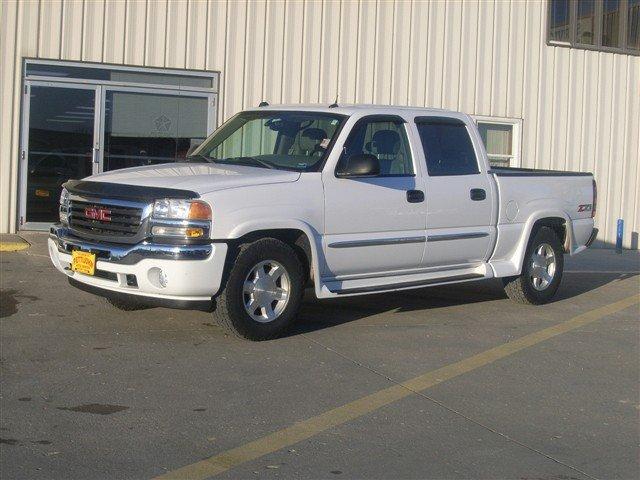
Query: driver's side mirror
{"points": [[360, 166]]}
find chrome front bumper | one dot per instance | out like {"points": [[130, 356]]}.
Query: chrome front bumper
{"points": [[192, 272], [127, 254]]}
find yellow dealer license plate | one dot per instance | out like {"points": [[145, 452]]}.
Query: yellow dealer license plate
{"points": [[83, 262]]}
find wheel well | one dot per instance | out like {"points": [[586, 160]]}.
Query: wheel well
{"points": [[557, 224], [295, 238]]}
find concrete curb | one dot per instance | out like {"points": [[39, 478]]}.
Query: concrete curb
{"points": [[13, 243]]}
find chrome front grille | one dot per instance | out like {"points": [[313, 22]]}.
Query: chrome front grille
{"points": [[105, 219]]}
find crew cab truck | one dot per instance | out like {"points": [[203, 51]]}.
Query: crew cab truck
{"points": [[350, 199]]}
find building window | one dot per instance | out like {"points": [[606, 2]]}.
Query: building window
{"points": [[501, 138], [607, 25]]}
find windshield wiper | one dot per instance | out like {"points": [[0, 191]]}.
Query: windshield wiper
{"points": [[255, 161]]}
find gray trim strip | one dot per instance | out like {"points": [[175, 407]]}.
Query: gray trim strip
{"points": [[420, 271], [421, 283], [456, 236], [377, 242]]}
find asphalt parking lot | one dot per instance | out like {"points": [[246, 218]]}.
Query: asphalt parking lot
{"points": [[444, 383]]}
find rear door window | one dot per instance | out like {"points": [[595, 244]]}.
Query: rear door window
{"points": [[447, 147]]}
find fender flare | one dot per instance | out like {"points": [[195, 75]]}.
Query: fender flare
{"points": [[518, 257], [287, 224]]}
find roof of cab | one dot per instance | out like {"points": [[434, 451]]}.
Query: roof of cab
{"points": [[350, 109]]}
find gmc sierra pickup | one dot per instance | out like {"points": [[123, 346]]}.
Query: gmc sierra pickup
{"points": [[350, 199]]}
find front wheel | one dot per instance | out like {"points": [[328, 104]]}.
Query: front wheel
{"points": [[541, 270], [263, 292]]}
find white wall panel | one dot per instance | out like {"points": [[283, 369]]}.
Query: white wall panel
{"points": [[484, 57], [114, 32], [500, 59], [580, 109], [417, 52], [49, 29], [254, 54], [468, 55], [515, 66], [383, 52], [311, 47], [135, 33], [348, 51], [156, 34], [196, 48], [92, 25], [8, 96], [234, 58], [274, 47], [292, 62], [72, 29], [400, 77], [365, 62], [176, 45]]}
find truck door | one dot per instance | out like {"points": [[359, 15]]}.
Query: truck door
{"points": [[458, 192], [375, 224]]}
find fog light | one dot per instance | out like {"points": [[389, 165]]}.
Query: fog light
{"points": [[157, 277], [162, 279]]}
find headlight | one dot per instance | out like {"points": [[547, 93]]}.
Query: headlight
{"points": [[173, 209], [64, 206], [181, 218]]}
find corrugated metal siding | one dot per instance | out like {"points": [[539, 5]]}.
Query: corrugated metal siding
{"points": [[580, 109]]}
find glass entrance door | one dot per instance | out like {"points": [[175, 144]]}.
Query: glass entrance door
{"points": [[143, 127], [73, 130], [60, 130]]}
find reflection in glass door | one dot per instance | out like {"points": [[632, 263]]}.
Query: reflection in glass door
{"points": [[59, 145], [147, 128]]}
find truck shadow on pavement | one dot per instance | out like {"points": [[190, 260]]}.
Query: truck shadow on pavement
{"points": [[317, 315]]}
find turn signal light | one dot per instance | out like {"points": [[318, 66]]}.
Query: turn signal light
{"points": [[199, 211]]}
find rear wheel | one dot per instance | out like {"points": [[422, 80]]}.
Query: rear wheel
{"points": [[263, 292], [541, 270]]}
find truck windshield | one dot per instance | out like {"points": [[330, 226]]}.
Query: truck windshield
{"points": [[285, 140]]}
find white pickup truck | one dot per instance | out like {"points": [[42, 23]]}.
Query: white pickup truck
{"points": [[349, 199]]}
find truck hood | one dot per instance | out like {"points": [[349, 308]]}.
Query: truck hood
{"points": [[199, 177]]}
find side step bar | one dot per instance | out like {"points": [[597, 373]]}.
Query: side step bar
{"points": [[396, 286]]}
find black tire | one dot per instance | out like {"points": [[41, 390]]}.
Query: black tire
{"points": [[126, 305], [230, 310], [521, 289]]}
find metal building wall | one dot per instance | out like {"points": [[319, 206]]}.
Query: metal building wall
{"points": [[580, 109]]}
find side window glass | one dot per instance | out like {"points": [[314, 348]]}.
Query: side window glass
{"points": [[387, 140], [447, 148]]}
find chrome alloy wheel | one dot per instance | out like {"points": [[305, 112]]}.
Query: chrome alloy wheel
{"points": [[543, 266], [266, 291]]}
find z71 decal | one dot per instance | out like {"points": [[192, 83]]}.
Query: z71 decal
{"points": [[584, 208]]}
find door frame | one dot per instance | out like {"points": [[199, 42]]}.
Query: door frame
{"points": [[98, 129], [23, 174]]}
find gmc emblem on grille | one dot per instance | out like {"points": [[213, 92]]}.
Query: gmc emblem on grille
{"points": [[95, 213]]}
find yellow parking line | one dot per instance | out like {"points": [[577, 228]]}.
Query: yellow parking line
{"points": [[337, 416]]}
